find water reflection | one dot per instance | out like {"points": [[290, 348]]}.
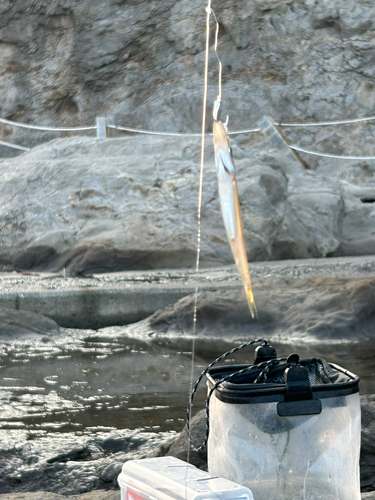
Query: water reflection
{"points": [[83, 380]]}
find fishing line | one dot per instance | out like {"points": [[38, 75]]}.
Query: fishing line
{"points": [[209, 11], [199, 211], [217, 56]]}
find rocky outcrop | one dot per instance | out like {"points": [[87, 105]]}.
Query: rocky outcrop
{"points": [[65, 63], [318, 309], [141, 64], [90, 205]]}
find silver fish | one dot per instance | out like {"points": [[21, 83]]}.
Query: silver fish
{"points": [[230, 208]]}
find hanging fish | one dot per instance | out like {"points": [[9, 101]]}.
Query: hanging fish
{"points": [[230, 208]]}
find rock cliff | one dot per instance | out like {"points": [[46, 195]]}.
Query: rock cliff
{"points": [[140, 63]]}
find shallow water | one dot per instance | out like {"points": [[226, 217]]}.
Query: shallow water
{"points": [[82, 380], [86, 381]]}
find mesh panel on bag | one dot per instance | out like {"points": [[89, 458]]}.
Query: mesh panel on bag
{"points": [[316, 374]]}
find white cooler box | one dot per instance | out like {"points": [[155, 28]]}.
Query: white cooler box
{"points": [[168, 478]]}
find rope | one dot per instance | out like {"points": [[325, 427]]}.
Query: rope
{"points": [[262, 375], [326, 155], [150, 132], [198, 381], [139, 131], [52, 129], [325, 124], [14, 146], [247, 131], [177, 134]]}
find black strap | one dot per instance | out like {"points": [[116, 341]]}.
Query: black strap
{"points": [[262, 376]]}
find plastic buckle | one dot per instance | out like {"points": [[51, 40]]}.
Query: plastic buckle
{"points": [[298, 394], [263, 353]]}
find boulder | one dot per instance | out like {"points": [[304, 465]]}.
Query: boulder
{"points": [[15, 322], [92, 205], [178, 446]]}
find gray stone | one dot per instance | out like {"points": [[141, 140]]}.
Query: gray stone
{"points": [[93, 205], [323, 309], [15, 322], [65, 63]]}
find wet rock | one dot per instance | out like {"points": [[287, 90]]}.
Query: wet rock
{"points": [[87, 452], [323, 309], [110, 472], [177, 447], [69, 464], [15, 322], [89, 206]]}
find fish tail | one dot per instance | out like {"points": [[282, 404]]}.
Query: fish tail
{"points": [[251, 303]]}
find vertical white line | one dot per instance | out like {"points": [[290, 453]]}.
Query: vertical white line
{"points": [[200, 191], [217, 56]]}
